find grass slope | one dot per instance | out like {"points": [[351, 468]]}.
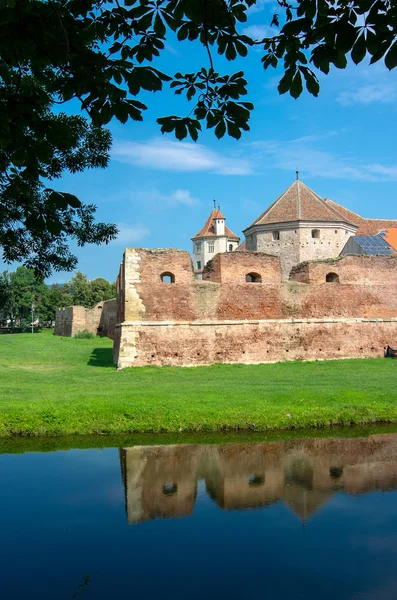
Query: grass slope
{"points": [[57, 386]]}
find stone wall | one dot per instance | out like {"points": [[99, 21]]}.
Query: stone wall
{"points": [[101, 319], [362, 270], [250, 342], [225, 319], [297, 245], [70, 320]]}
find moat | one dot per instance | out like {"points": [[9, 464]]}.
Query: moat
{"points": [[302, 518]]}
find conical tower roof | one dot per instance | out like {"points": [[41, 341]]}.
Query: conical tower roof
{"points": [[208, 229], [300, 203]]}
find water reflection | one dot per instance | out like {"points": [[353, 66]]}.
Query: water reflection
{"points": [[161, 481]]}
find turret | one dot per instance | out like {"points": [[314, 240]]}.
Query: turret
{"points": [[219, 222]]}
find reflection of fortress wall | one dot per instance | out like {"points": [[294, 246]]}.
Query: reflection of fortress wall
{"points": [[161, 481], [245, 476]]}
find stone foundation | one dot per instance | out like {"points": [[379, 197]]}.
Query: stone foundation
{"points": [[250, 342]]}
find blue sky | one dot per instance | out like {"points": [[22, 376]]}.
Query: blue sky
{"points": [[160, 191]]}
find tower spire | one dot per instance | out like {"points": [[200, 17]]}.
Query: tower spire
{"points": [[297, 174], [214, 203]]}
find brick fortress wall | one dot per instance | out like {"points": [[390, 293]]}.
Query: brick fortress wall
{"points": [[101, 319], [225, 319]]}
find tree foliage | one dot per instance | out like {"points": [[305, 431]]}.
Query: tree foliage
{"points": [[97, 56], [21, 288]]}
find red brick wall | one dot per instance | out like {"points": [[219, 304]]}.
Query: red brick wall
{"points": [[265, 341], [233, 267], [351, 269], [155, 262]]}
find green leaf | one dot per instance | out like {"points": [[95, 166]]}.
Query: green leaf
{"points": [[312, 84], [391, 57], [359, 49], [159, 26], [220, 129], [296, 85], [286, 81], [72, 200], [233, 130], [180, 130]]}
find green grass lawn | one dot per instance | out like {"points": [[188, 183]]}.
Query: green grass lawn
{"points": [[55, 386]]}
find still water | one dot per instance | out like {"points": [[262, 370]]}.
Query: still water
{"points": [[310, 519]]}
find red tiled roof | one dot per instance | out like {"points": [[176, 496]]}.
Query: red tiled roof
{"points": [[365, 226], [208, 229], [390, 236], [242, 247], [300, 203]]}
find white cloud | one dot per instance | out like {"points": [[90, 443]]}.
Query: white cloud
{"points": [[313, 161], [260, 5], [178, 156], [130, 234], [175, 198], [382, 92], [258, 32]]}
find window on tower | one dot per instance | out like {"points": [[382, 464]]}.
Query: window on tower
{"points": [[210, 246], [199, 264], [276, 235], [198, 247], [230, 247]]}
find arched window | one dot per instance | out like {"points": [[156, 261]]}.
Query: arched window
{"points": [[253, 278], [255, 480], [315, 233], [336, 472], [332, 278], [169, 489], [230, 247], [167, 277]]}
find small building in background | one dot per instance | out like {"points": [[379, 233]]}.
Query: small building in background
{"points": [[214, 237]]}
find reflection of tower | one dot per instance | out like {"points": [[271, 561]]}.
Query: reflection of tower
{"points": [[299, 494]]}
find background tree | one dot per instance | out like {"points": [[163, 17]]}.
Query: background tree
{"points": [[100, 54], [101, 289], [20, 289]]}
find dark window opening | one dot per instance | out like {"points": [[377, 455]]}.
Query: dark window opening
{"points": [[169, 489], [336, 472], [167, 277], [199, 264], [230, 247], [276, 235], [332, 278], [315, 233], [253, 278], [255, 480]]}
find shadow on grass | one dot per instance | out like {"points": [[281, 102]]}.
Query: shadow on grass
{"points": [[102, 357]]}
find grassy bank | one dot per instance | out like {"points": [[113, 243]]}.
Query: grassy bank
{"points": [[62, 386]]}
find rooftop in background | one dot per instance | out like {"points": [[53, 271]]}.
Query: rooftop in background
{"points": [[208, 229], [365, 226], [300, 203]]}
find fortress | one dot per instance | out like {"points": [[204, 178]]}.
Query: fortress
{"points": [[312, 280]]}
